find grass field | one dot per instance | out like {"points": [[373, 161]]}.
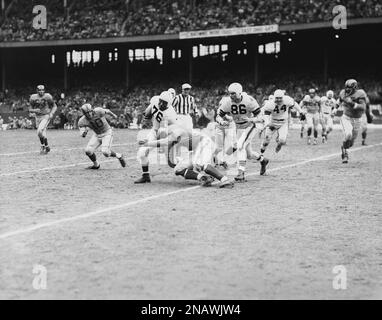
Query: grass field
{"points": [[100, 236]]}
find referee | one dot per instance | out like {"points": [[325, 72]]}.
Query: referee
{"points": [[184, 105]]}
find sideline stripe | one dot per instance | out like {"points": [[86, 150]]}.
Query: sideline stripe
{"points": [[166, 194], [58, 167], [58, 150]]}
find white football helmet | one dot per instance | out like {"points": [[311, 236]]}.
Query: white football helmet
{"points": [[165, 99], [330, 94], [172, 91], [279, 96], [235, 91]]}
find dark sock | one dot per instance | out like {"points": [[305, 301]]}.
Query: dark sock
{"points": [[213, 172], [309, 132], [46, 141], [315, 133], [191, 175], [113, 154], [364, 134], [42, 141], [92, 157], [145, 169]]}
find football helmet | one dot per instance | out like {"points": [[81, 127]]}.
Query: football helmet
{"points": [[41, 90], [87, 109], [172, 92], [235, 90], [330, 94], [165, 99], [351, 86], [279, 96]]}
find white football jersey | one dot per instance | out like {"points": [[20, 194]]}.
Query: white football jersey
{"points": [[312, 105], [159, 117], [327, 105], [280, 113], [246, 108]]}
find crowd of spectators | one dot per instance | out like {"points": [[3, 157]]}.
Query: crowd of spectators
{"points": [[130, 105], [118, 18]]}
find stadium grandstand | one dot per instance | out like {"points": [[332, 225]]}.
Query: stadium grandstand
{"points": [[119, 53]]}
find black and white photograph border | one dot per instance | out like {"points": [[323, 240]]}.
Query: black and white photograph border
{"points": [[190, 150]]}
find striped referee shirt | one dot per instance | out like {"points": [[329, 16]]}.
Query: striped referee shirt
{"points": [[183, 104]]}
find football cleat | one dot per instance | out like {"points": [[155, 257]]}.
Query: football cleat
{"points": [[226, 184], [144, 179], [364, 143], [206, 181], [309, 141], [264, 164], [94, 167], [315, 141], [240, 177], [122, 161], [42, 150], [47, 149]]}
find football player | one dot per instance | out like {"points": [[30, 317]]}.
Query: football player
{"points": [[353, 102], [328, 105], [159, 111], [276, 114], [198, 163], [44, 108], [95, 119], [242, 109], [312, 103]]}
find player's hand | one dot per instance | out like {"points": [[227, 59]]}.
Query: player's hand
{"points": [[84, 134], [229, 118], [224, 123]]}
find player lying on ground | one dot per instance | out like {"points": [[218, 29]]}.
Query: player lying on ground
{"points": [[160, 110], [276, 114], [353, 102], [43, 106], [95, 119], [197, 164], [328, 105], [312, 103], [243, 110]]}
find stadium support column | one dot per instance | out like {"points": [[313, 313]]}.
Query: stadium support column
{"points": [[3, 70], [65, 66], [190, 61], [326, 65], [127, 69], [254, 56]]}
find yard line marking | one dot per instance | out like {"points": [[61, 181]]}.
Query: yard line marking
{"points": [[58, 167], [166, 194], [58, 150]]}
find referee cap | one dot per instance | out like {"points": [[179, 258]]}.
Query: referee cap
{"points": [[186, 86]]}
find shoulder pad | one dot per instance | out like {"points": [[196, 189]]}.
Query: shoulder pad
{"points": [[288, 100]]}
